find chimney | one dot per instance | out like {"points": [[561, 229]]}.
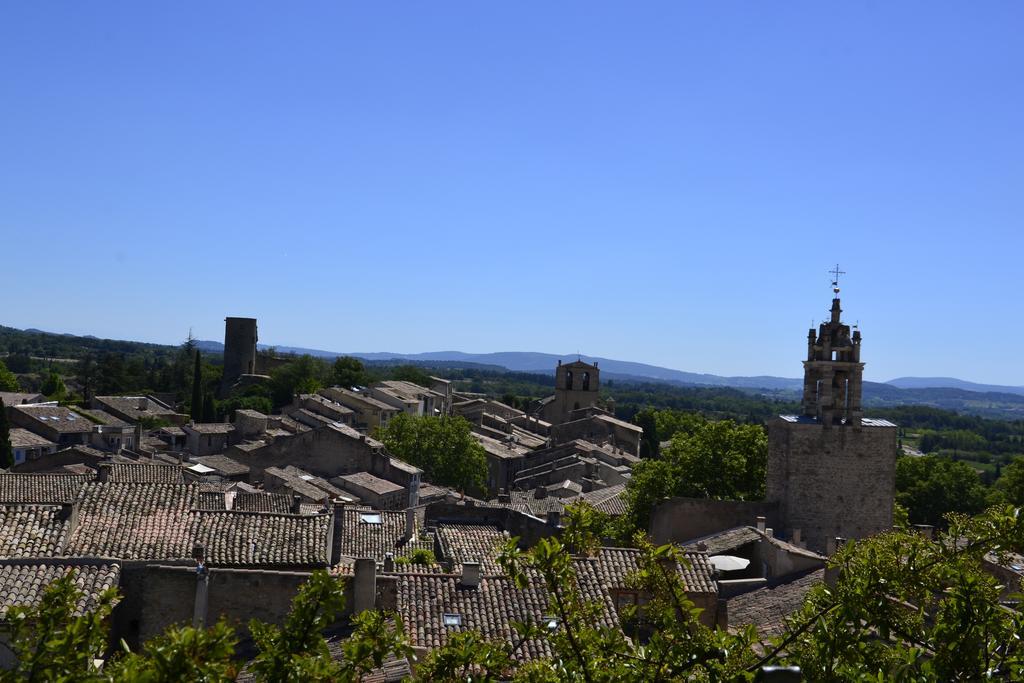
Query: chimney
{"points": [[470, 574], [760, 524], [296, 504], [389, 562], [364, 585], [104, 474], [143, 403], [199, 607], [554, 518], [540, 493], [769, 532], [410, 524], [796, 537]]}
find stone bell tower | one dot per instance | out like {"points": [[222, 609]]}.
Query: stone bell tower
{"points": [[833, 373], [832, 471]]}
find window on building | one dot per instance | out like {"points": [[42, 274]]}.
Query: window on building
{"points": [[586, 381], [568, 379]]}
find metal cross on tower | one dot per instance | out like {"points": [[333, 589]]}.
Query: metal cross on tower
{"points": [[836, 273]]}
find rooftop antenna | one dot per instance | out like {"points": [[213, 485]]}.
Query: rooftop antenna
{"points": [[835, 278]]}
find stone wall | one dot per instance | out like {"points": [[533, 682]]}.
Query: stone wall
{"points": [[832, 480], [684, 519]]}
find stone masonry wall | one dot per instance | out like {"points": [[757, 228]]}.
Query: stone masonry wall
{"points": [[832, 481]]}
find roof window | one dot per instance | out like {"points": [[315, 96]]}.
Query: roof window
{"points": [[370, 517], [453, 620]]}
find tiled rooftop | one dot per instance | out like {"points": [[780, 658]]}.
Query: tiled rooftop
{"points": [[767, 608], [63, 420], [223, 464], [425, 599], [23, 584], [32, 531], [134, 521], [262, 502], [23, 438], [360, 538], [129, 405], [246, 538], [725, 542], [41, 488], [371, 483], [471, 543], [490, 608], [209, 427], [144, 473]]}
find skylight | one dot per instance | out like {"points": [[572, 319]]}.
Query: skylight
{"points": [[453, 620], [370, 517]]}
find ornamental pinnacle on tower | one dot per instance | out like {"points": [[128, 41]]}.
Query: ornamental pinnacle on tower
{"points": [[833, 373]]}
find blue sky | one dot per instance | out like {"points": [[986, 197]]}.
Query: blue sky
{"points": [[659, 182]]}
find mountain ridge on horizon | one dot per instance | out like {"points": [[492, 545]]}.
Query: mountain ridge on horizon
{"points": [[536, 361]]}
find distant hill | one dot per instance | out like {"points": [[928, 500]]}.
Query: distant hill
{"points": [[940, 392], [952, 383]]}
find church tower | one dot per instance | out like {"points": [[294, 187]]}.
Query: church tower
{"points": [[577, 385], [832, 471]]}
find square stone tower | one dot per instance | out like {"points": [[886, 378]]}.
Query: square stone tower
{"points": [[577, 385], [832, 472]]}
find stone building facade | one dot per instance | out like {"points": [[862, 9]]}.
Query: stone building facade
{"points": [[831, 471], [577, 386]]}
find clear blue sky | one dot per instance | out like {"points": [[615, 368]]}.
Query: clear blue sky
{"points": [[658, 182]]}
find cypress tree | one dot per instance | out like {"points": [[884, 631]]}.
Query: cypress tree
{"points": [[209, 408], [196, 412], [6, 450]]}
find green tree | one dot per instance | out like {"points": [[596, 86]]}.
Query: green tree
{"points": [[297, 650], [411, 373], [304, 375], [53, 387], [196, 407], [443, 447], [181, 654], [721, 460], [1009, 487], [6, 449], [8, 380], [931, 486], [349, 372], [51, 643], [209, 407]]}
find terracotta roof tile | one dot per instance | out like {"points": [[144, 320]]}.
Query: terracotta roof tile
{"points": [[471, 543], [362, 538], [247, 538], [134, 521], [262, 502], [32, 530], [23, 584], [41, 488], [144, 473], [767, 608]]}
